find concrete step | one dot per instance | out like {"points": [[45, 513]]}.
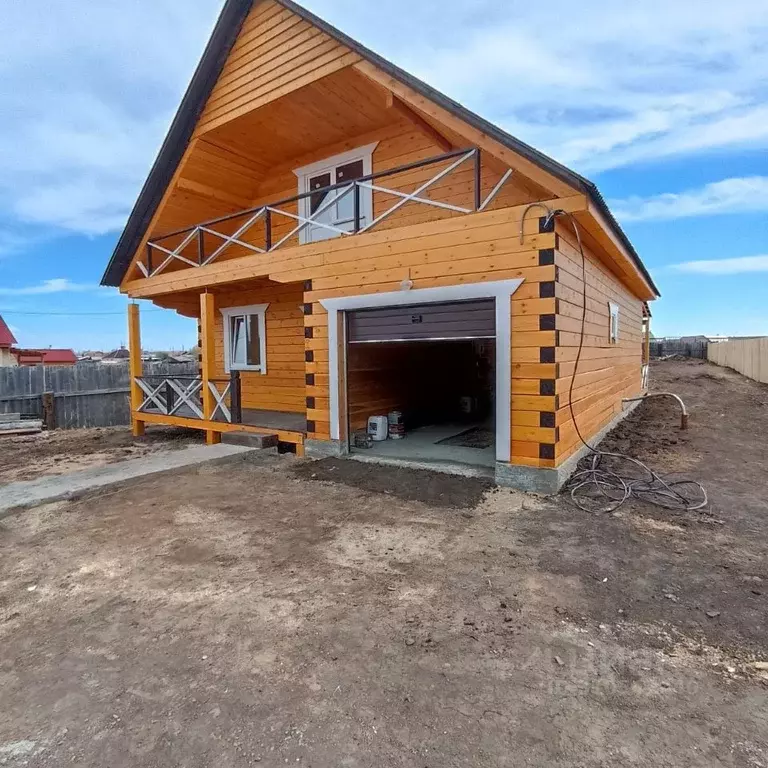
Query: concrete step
{"points": [[9, 417], [250, 439]]}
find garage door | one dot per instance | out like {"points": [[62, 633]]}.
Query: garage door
{"points": [[451, 320]]}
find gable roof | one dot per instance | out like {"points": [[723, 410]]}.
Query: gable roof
{"points": [[203, 81], [7, 339]]}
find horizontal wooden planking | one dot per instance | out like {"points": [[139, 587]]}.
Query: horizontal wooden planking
{"points": [[218, 426], [453, 232], [282, 388], [590, 421], [293, 79], [275, 53], [608, 393]]}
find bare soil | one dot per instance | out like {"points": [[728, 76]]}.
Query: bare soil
{"points": [[257, 615], [26, 457]]}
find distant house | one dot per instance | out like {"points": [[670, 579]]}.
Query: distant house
{"points": [[45, 356], [91, 357], [12, 356], [116, 356], [7, 340]]}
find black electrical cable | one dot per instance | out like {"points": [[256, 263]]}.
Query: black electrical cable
{"points": [[604, 480]]}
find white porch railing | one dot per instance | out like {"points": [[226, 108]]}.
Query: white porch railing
{"points": [[182, 396]]}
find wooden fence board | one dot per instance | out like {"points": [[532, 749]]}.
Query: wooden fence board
{"points": [[85, 395], [747, 356]]}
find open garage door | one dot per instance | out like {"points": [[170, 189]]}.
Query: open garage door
{"points": [[422, 322]]}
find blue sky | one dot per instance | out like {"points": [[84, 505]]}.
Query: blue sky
{"points": [[663, 104]]}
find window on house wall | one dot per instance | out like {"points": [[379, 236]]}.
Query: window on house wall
{"points": [[333, 211], [614, 322], [245, 347]]}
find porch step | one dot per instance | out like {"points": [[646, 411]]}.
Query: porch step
{"points": [[9, 417], [250, 439]]}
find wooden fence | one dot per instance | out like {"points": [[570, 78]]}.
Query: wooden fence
{"points": [[665, 347], [82, 395], [747, 356]]}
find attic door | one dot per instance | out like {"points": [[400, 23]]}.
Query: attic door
{"points": [[334, 208]]}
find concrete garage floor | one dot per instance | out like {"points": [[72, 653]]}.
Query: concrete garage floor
{"points": [[423, 448]]}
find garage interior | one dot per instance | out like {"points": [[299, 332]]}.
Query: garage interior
{"points": [[435, 364]]}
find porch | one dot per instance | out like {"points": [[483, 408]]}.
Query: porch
{"points": [[208, 402]]}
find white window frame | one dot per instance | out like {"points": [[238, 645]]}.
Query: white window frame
{"points": [[329, 165], [227, 313], [613, 323]]}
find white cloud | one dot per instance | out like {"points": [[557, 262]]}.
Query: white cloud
{"points": [[737, 195], [620, 83], [55, 285], [90, 87], [735, 266]]}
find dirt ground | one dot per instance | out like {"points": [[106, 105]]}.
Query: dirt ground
{"points": [[25, 457], [326, 614]]}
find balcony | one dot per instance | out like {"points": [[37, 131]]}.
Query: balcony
{"points": [[267, 228]]}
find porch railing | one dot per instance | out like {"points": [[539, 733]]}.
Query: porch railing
{"points": [[193, 250], [182, 396]]}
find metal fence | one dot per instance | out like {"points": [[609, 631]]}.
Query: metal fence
{"points": [[665, 347], [83, 395]]}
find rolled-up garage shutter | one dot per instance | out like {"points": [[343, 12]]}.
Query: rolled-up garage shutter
{"points": [[451, 320]]}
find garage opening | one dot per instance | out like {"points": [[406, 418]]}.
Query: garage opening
{"points": [[421, 382]]}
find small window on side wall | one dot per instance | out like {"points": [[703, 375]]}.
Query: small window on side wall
{"points": [[613, 331], [245, 347]]}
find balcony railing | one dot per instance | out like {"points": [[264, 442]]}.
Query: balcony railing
{"points": [[182, 396], [191, 247]]}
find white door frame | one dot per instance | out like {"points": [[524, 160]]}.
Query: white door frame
{"points": [[501, 291]]}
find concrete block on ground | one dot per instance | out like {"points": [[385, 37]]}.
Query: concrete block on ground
{"points": [[9, 417], [22, 425], [250, 439]]}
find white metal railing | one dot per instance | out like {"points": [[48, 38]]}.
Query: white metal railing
{"points": [[335, 192]]}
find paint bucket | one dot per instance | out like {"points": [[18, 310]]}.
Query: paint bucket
{"points": [[396, 425], [377, 427]]}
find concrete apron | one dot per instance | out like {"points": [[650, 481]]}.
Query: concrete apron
{"points": [[529, 479], [30, 493]]}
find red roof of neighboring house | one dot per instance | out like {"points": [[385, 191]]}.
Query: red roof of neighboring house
{"points": [[45, 356], [59, 356], [7, 339]]}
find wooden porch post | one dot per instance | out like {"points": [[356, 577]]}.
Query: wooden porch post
{"points": [[207, 360], [135, 367], [647, 342]]}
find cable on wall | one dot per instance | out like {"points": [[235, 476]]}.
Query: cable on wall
{"points": [[604, 480]]}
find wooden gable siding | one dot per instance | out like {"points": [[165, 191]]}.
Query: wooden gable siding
{"points": [[607, 372], [275, 53], [282, 387]]}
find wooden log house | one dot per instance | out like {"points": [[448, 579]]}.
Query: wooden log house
{"points": [[353, 242]]}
